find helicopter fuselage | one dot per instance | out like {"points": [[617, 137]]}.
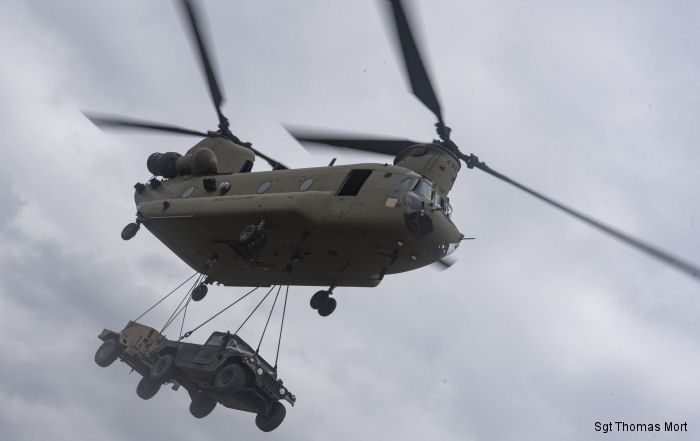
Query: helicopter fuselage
{"points": [[344, 225]]}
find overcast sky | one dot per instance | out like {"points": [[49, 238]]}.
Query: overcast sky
{"points": [[542, 328]]}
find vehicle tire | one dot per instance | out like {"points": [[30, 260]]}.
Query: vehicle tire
{"points": [[328, 308], [273, 419], [202, 405], [199, 292], [230, 379], [147, 389], [162, 369], [318, 299], [107, 352]]}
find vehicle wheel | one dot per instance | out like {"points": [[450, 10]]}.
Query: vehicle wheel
{"points": [[202, 405], [130, 231], [146, 389], [107, 352], [318, 299], [199, 292], [328, 308], [230, 379], [162, 369], [273, 419]]}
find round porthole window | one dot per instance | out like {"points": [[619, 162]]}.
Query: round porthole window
{"points": [[188, 192], [224, 187], [264, 187], [306, 184]]}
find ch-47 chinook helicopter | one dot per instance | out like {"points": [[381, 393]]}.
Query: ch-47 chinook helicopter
{"points": [[338, 225]]}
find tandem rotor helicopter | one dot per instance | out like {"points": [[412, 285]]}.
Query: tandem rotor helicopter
{"points": [[332, 226]]}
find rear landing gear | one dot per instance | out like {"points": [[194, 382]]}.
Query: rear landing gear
{"points": [[199, 292], [323, 302], [130, 230]]}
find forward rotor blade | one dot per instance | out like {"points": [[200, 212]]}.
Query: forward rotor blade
{"points": [[195, 27], [109, 122], [384, 146], [415, 68], [445, 263], [646, 248], [276, 165]]}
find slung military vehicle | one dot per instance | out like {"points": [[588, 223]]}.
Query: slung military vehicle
{"points": [[332, 226], [225, 370], [229, 370]]}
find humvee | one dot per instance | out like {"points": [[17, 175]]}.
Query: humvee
{"points": [[224, 370], [230, 371]]}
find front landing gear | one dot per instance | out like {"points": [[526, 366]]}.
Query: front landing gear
{"points": [[323, 302]]}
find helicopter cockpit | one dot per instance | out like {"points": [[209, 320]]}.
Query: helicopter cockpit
{"points": [[424, 188]]}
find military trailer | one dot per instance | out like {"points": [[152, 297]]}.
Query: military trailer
{"points": [[225, 370], [229, 371], [135, 346]]}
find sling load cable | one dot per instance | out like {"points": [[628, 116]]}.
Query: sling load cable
{"points": [[165, 297], [178, 309], [182, 325], [279, 288], [188, 333], [255, 309], [279, 340]]}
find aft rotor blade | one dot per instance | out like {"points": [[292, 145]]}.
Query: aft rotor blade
{"points": [[384, 146], [109, 122], [415, 68], [646, 248], [195, 27]]}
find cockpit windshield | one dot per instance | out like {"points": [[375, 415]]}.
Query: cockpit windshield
{"points": [[425, 189]]}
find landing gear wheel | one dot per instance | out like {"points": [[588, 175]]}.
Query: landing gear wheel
{"points": [[147, 389], [130, 231], [202, 405], [230, 379], [318, 299], [273, 419], [107, 353], [327, 309], [162, 369], [199, 292]]}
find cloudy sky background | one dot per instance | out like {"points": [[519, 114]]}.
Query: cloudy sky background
{"points": [[542, 328]]}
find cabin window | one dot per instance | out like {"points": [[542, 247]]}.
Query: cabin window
{"points": [[353, 182], [306, 184], [264, 187]]}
